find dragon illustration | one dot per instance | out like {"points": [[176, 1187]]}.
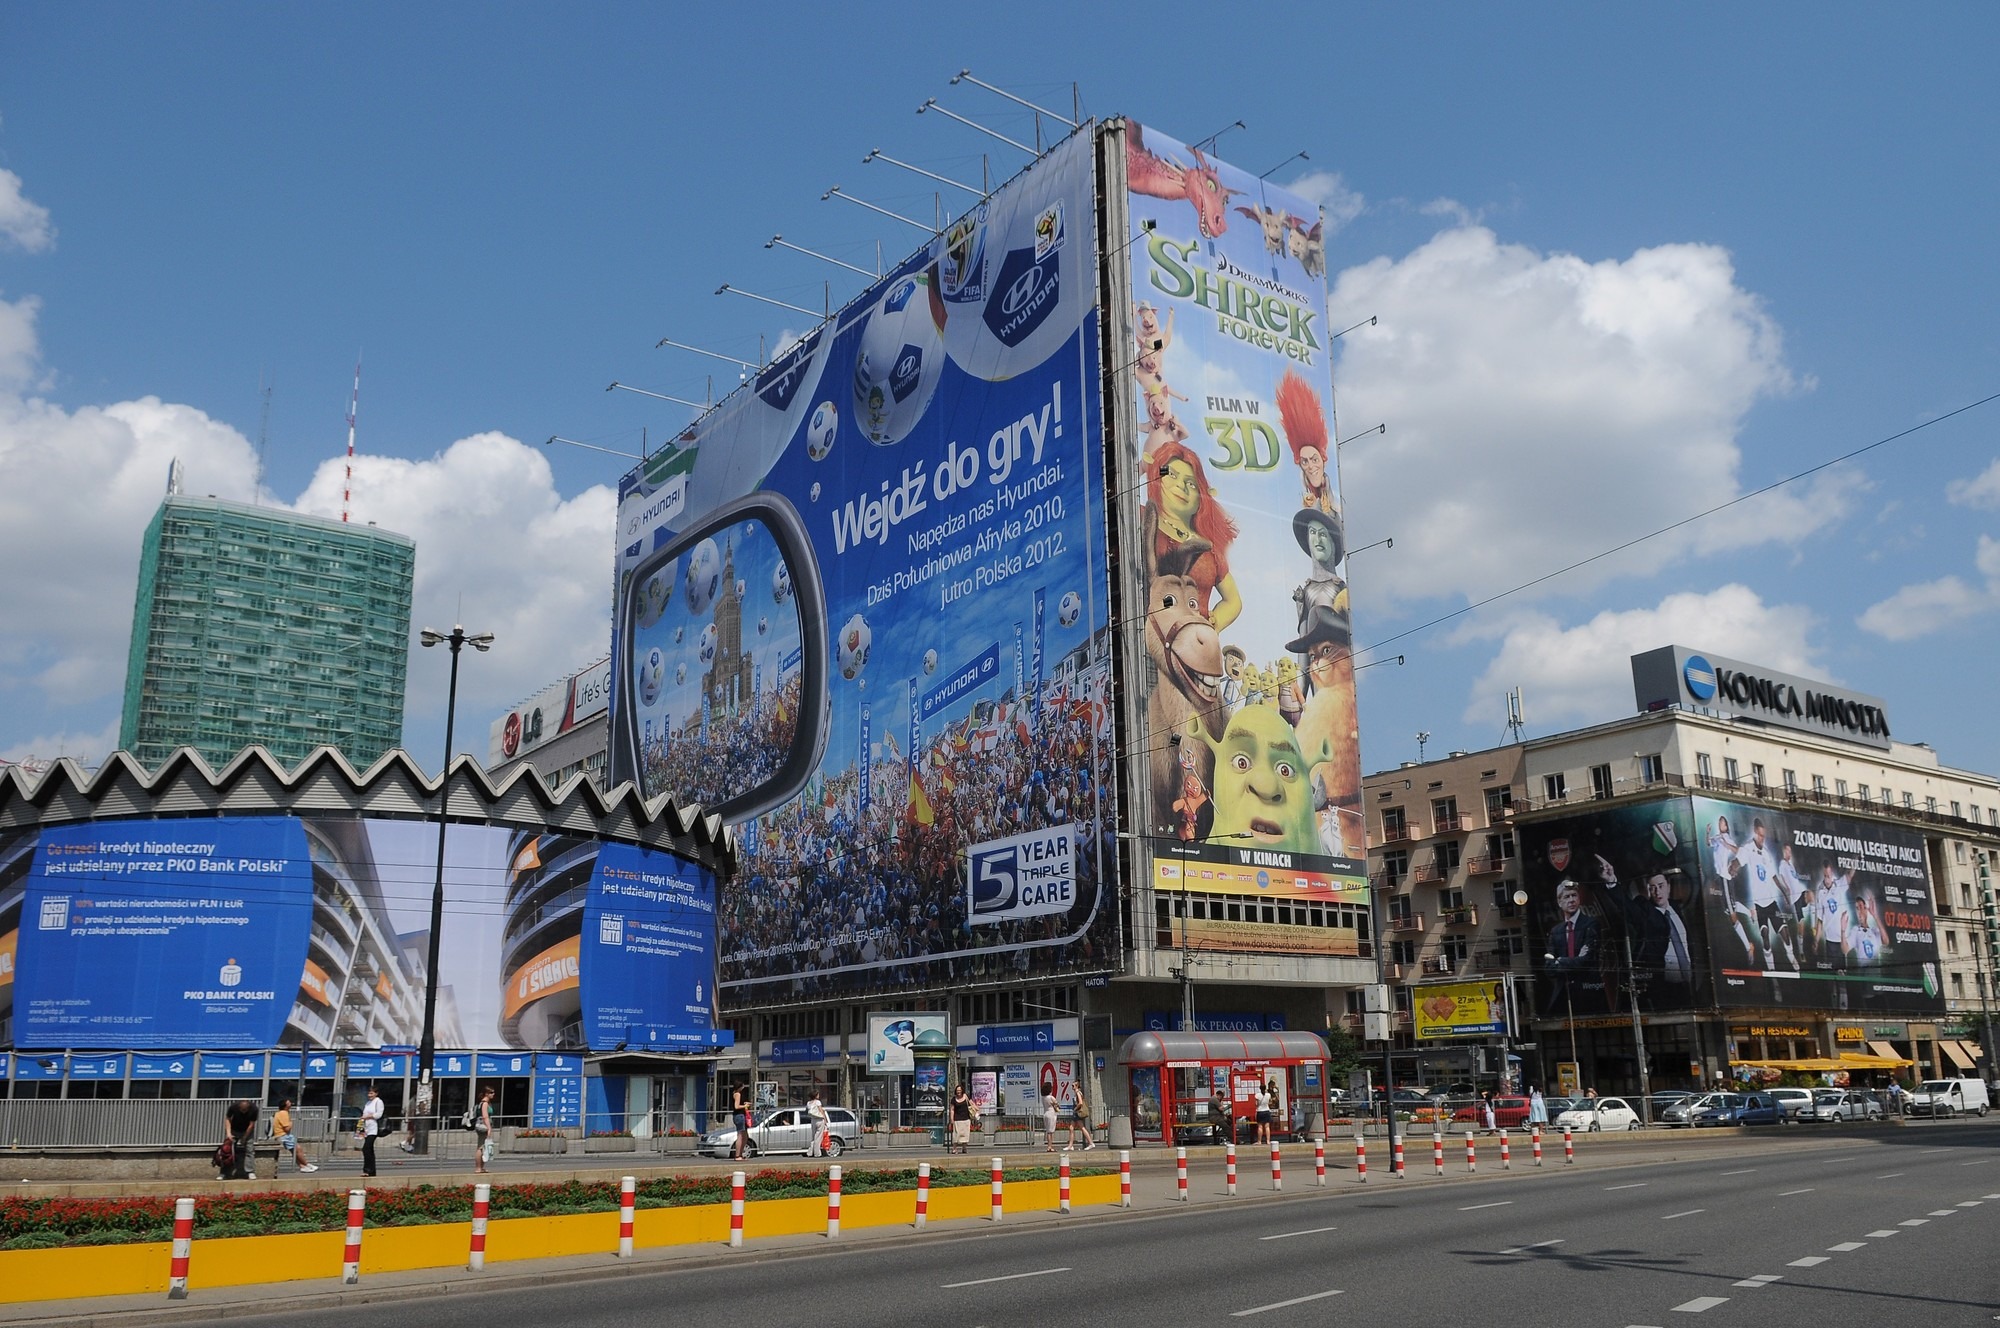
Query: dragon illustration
{"points": [[1156, 177]]}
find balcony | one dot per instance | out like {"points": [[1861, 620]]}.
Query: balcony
{"points": [[1449, 823], [1486, 866], [1406, 922], [1398, 834], [1427, 871], [1351, 1020], [1388, 880], [1466, 916], [1495, 959]]}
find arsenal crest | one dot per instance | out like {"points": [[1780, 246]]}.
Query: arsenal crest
{"points": [[1559, 854]]}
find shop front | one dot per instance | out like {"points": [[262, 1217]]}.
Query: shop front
{"points": [[1210, 1087]]}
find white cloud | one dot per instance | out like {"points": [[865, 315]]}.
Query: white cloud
{"points": [[1330, 191], [1542, 408], [86, 748], [1584, 673], [499, 550], [1929, 606], [1982, 490], [19, 350], [23, 222]]}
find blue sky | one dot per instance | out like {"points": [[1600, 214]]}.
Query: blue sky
{"points": [[1626, 265]]}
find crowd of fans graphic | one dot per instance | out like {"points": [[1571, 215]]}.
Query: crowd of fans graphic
{"points": [[824, 887], [731, 754]]}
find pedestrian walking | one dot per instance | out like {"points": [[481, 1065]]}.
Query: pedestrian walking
{"points": [[816, 1121], [1079, 1117], [285, 1133], [1896, 1096], [369, 1128], [1050, 1111], [962, 1112], [482, 1131], [739, 1113], [233, 1158], [1267, 1103], [1486, 1111], [1538, 1107]]}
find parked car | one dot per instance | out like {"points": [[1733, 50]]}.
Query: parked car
{"points": [[1684, 1112], [1604, 1114], [787, 1131], [1797, 1102], [1741, 1109], [1509, 1112], [1949, 1097]]}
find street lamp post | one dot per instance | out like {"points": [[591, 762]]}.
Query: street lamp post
{"points": [[1638, 1035], [457, 638]]}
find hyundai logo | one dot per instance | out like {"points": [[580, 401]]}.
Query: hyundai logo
{"points": [[1699, 675], [1021, 291]]}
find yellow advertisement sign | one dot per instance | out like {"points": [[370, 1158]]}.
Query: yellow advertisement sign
{"points": [[1283, 883], [1459, 1009], [7, 944], [1268, 937]]}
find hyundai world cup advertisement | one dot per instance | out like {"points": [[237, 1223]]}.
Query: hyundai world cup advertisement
{"points": [[249, 933], [1252, 774], [861, 614]]}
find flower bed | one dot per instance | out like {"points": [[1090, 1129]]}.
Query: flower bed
{"points": [[32, 1224]]}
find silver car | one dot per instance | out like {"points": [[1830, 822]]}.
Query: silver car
{"points": [[787, 1130]]}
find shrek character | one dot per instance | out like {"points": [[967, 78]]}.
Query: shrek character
{"points": [[1261, 793]]}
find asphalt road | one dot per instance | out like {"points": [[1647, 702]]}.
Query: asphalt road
{"points": [[1883, 1228]]}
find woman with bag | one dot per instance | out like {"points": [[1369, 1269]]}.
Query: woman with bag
{"points": [[1079, 1115], [482, 1131]]}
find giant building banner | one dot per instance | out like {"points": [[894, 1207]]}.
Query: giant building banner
{"points": [[861, 614], [1249, 774]]}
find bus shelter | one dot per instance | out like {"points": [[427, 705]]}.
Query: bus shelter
{"points": [[1208, 1087]]}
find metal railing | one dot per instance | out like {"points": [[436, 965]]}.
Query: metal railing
{"points": [[120, 1123]]}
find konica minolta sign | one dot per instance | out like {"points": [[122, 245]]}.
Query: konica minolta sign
{"points": [[1677, 675]]}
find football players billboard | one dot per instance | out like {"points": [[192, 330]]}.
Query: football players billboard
{"points": [[862, 615], [1236, 535]]}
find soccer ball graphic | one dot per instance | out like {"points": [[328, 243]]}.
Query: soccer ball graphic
{"points": [[680, 634], [852, 653], [707, 648], [815, 491], [680, 673], [741, 589], [704, 576], [1069, 609], [763, 626], [652, 672], [930, 662], [819, 432], [653, 597], [781, 584], [899, 363]]}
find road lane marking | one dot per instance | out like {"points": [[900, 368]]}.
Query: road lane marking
{"points": [[1810, 1261], [1287, 1235], [1538, 1245], [1786, 1194], [1831, 1160], [1760, 1280], [1976, 1162], [1473, 1208], [1746, 1171], [1922, 1151], [1915, 1222], [1847, 1247], [1282, 1304], [1990, 1196], [1689, 1213], [1700, 1303], [1891, 1176], [1883, 1234], [1010, 1277], [1635, 1185], [1944, 1212], [1968, 1203]]}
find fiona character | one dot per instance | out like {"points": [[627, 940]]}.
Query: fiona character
{"points": [[1183, 515]]}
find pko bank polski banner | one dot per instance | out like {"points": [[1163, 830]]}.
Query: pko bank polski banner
{"points": [[861, 614]]}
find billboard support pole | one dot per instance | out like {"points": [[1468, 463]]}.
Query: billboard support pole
{"points": [[427, 1048], [1638, 1035]]}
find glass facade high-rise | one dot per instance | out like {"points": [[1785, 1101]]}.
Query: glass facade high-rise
{"points": [[255, 625]]}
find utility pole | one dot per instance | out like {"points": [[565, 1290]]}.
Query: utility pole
{"points": [[1638, 1035], [1991, 914]]}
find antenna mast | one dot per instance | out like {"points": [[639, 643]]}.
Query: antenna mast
{"points": [[353, 409], [1516, 714]]}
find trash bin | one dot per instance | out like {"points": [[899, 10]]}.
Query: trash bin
{"points": [[1119, 1132]]}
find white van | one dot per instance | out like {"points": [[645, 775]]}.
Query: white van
{"points": [[1949, 1097]]}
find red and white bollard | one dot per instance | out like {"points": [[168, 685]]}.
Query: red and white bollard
{"points": [[1360, 1159], [1319, 1161], [1180, 1171], [1396, 1158], [833, 1201], [1124, 1179], [923, 1194], [1471, 1155], [1437, 1153], [1229, 1167], [482, 1204], [736, 1210], [177, 1283], [628, 1188], [996, 1189], [350, 1261], [1536, 1135], [1569, 1147], [1506, 1154], [1062, 1184], [1277, 1168]]}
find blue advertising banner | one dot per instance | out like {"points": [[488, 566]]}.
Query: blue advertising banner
{"points": [[798, 1051], [97, 1066], [558, 1097], [163, 933], [362, 1066], [230, 1066], [31, 1066], [886, 499], [285, 1065], [6, 1061], [164, 1067], [501, 1067], [649, 960], [989, 1038]]}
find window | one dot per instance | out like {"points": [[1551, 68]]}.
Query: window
{"points": [[1455, 950], [1507, 847], [1951, 942], [1956, 815], [1395, 866], [1393, 825], [1511, 941], [1958, 985], [1600, 781], [1958, 852], [1930, 805], [1965, 897], [1840, 788], [1451, 899], [1757, 776], [1447, 857], [1444, 814], [1703, 767], [1499, 803], [1909, 801], [1555, 787], [1791, 778], [1403, 952], [1861, 792], [1503, 899], [1400, 908], [1652, 769], [1730, 771], [1819, 786]]}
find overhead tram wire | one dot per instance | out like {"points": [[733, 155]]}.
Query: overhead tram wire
{"points": [[1676, 525]]}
